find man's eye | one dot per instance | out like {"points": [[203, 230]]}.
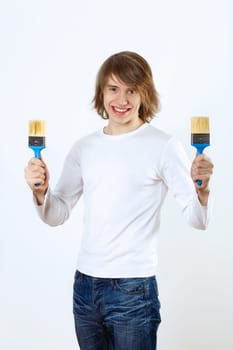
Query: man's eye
{"points": [[112, 88], [131, 91]]}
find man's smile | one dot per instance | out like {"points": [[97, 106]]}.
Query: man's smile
{"points": [[120, 110]]}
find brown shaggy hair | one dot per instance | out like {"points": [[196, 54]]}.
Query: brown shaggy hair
{"points": [[133, 70]]}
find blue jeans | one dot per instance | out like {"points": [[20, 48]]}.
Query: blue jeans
{"points": [[116, 313]]}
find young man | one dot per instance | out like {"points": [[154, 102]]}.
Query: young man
{"points": [[124, 172]]}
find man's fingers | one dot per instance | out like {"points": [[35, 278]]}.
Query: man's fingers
{"points": [[36, 173], [204, 177], [36, 162], [202, 164], [203, 160], [202, 171]]}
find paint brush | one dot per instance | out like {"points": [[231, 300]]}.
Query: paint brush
{"points": [[36, 138], [200, 135]]}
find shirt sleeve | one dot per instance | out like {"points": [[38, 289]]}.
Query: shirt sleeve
{"points": [[175, 170], [58, 204]]}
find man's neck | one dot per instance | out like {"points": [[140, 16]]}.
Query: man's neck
{"points": [[116, 129]]}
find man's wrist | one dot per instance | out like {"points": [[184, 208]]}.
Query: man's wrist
{"points": [[203, 196], [40, 196]]}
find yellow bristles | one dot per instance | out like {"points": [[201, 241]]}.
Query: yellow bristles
{"points": [[36, 127], [200, 125]]}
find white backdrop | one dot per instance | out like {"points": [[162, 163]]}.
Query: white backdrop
{"points": [[50, 53]]}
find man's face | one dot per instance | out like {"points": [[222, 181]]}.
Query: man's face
{"points": [[121, 102]]}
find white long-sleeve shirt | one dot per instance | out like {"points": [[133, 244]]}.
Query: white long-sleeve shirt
{"points": [[124, 180]]}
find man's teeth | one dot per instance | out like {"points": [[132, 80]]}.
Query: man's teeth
{"points": [[121, 110]]}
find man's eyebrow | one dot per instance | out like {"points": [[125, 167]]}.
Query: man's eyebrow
{"points": [[111, 85]]}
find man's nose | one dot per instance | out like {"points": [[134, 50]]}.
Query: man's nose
{"points": [[123, 99]]}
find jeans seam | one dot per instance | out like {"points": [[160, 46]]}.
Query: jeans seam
{"points": [[147, 300]]}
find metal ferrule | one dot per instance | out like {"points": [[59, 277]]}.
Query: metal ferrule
{"points": [[200, 138], [36, 141]]}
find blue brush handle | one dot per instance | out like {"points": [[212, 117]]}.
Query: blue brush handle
{"points": [[200, 148], [37, 150]]}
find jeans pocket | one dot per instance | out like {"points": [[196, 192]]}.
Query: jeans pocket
{"points": [[155, 286], [155, 294], [77, 280], [77, 276], [130, 286]]}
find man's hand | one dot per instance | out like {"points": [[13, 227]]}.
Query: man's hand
{"points": [[36, 172], [202, 169]]}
